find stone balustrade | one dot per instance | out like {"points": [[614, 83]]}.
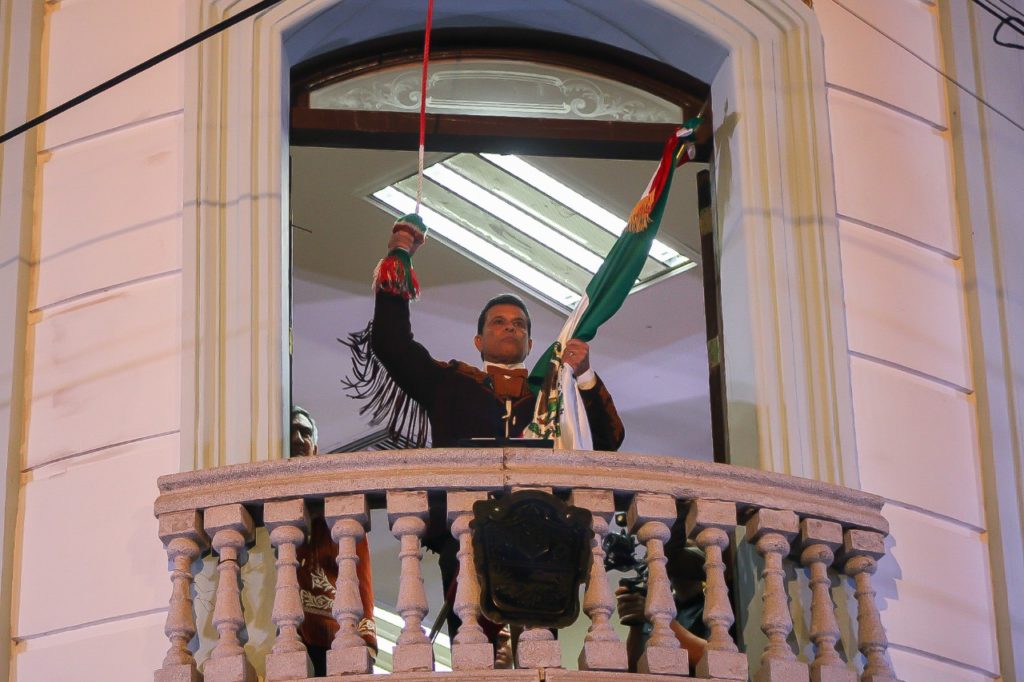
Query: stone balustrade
{"points": [[815, 526]]}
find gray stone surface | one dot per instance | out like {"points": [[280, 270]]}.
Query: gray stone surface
{"points": [[407, 503], [782, 671], [348, 661], [863, 543], [664, 661], [832, 674], [229, 669], [285, 512], [288, 666], [183, 524], [598, 502], [178, 673], [228, 517], [820, 532], [705, 513], [476, 656], [647, 507], [726, 665], [539, 654], [603, 656], [784, 523], [413, 657], [468, 676], [606, 676], [347, 507], [493, 469], [461, 502]]}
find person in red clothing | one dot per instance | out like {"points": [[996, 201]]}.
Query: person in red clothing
{"points": [[318, 567]]}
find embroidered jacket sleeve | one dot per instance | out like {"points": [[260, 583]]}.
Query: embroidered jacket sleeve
{"points": [[406, 360], [606, 428]]}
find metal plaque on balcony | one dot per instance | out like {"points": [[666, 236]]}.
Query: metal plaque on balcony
{"points": [[532, 552]]}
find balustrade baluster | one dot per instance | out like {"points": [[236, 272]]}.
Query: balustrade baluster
{"points": [[537, 647], [470, 648], [184, 539], [407, 514], [819, 540], [650, 517], [709, 523], [861, 551], [348, 518], [231, 528], [602, 649], [287, 521], [772, 531]]}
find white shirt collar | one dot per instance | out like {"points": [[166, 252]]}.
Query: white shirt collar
{"points": [[517, 365]]}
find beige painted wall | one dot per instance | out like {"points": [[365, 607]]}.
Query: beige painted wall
{"points": [[105, 345], [105, 330], [903, 277]]}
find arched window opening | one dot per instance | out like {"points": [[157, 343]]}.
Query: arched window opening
{"points": [[535, 158]]}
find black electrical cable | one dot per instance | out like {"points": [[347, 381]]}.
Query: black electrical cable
{"points": [[1015, 24], [1011, 8], [934, 68], [135, 70]]}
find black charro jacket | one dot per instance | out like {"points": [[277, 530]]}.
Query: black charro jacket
{"points": [[459, 398]]}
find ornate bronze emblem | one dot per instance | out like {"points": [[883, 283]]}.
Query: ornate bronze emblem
{"points": [[532, 551]]}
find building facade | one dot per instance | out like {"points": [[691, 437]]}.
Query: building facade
{"points": [[868, 174]]}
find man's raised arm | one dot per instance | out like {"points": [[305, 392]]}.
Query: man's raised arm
{"points": [[407, 361]]}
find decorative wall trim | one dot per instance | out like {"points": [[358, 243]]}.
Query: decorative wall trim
{"points": [[987, 178], [21, 34], [787, 373]]}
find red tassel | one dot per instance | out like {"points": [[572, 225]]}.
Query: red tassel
{"points": [[393, 277]]}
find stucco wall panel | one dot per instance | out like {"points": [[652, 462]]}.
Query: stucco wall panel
{"points": [[91, 41], [904, 303], [139, 644], [912, 667], [893, 172], [932, 592], [90, 549], [859, 58], [917, 441], [107, 370], [91, 236]]}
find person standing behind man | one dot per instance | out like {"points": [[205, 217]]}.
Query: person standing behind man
{"points": [[318, 567]]}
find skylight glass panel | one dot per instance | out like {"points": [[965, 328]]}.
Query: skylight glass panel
{"points": [[521, 223]]}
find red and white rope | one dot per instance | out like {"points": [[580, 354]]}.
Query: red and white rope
{"points": [[423, 105]]}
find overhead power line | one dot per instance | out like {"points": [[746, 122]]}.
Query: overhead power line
{"points": [[1014, 23], [934, 68], [135, 70]]}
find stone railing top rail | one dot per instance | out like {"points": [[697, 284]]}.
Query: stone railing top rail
{"points": [[496, 468]]}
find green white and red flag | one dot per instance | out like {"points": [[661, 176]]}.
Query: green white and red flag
{"points": [[559, 413]]}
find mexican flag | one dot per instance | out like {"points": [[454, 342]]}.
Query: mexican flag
{"points": [[559, 413]]}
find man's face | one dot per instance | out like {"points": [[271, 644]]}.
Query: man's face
{"points": [[302, 436], [504, 339]]}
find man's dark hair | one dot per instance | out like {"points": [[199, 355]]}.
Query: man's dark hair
{"points": [[312, 422], [503, 299]]}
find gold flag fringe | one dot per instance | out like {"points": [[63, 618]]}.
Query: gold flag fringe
{"points": [[640, 216]]}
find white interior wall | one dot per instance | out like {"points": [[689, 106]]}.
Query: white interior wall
{"points": [[903, 279], [105, 331]]}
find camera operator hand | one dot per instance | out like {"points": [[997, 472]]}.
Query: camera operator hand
{"points": [[630, 606]]}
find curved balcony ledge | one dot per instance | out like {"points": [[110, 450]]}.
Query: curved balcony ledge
{"points": [[820, 526], [495, 468]]}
